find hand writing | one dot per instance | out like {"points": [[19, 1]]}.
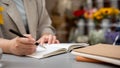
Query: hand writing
{"points": [[48, 38], [22, 46]]}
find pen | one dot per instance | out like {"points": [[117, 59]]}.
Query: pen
{"points": [[116, 38], [20, 35]]}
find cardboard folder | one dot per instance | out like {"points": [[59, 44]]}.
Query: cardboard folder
{"points": [[102, 52]]}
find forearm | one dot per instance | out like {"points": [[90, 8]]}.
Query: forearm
{"points": [[5, 45]]}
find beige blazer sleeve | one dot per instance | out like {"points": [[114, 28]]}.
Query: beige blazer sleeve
{"points": [[44, 20]]}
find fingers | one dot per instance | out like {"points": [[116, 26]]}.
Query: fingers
{"points": [[26, 51], [42, 40], [25, 41], [28, 40], [23, 46], [50, 39], [53, 40], [57, 41]]}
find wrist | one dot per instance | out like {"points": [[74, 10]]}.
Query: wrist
{"points": [[5, 45], [12, 45]]}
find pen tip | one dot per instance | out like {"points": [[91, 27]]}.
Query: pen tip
{"points": [[36, 43]]}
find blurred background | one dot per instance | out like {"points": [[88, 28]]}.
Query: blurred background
{"points": [[89, 21]]}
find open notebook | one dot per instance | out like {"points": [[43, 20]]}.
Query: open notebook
{"points": [[54, 49]]}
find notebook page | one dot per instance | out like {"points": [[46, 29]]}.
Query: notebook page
{"points": [[40, 52], [66, 45], [62, 45]]}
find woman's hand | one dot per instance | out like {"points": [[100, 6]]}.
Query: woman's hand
{"points": [[48, 38], [22, 46]]}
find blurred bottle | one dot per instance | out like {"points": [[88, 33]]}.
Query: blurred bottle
{"points": [[80, 28], [91, 25], [105, 24]]}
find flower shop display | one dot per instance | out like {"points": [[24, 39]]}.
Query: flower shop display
{"points": [[112, 14], [98, 35], [106, 13], [103, 13]]}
